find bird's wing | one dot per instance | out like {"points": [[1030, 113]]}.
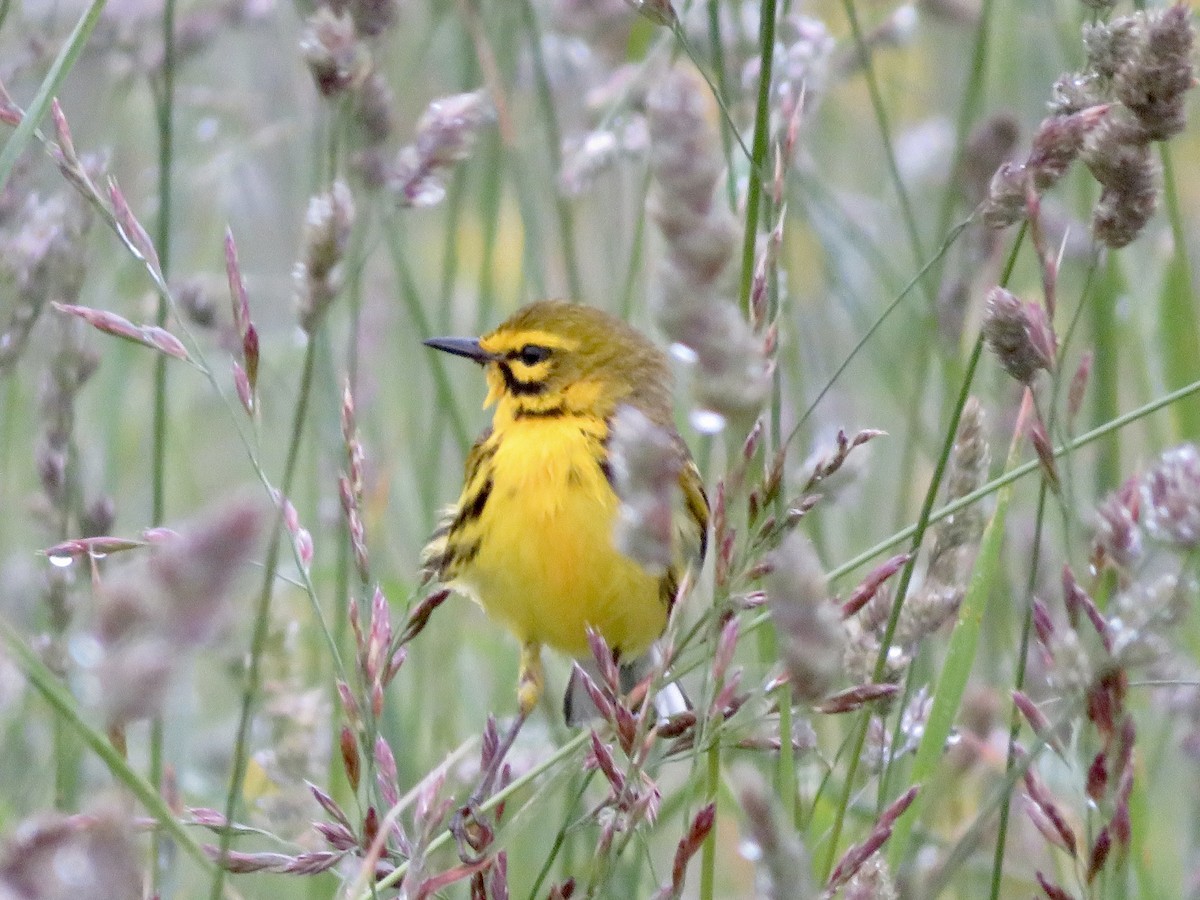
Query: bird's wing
{"points": [[694, 528], [437, 559], [691, 530]]}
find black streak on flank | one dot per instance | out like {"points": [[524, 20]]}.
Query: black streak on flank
{"points": [[519, 388], [467, 554], [603, 459], [668, 587], [472, 509]]}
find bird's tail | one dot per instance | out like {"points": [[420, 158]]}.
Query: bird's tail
{"points": [[578, 707]]}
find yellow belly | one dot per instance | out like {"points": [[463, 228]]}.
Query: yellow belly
{"points": [[546, 565]]}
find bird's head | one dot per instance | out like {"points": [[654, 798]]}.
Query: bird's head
{"points": [[555, 356]]}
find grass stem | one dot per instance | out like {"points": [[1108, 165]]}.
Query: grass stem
{"points": [[262, 619]]}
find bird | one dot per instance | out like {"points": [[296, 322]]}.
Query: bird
{"points": [[531, 535]]}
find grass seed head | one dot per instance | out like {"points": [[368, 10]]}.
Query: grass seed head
{"points": [[1016, 333], [1170, 504], [645, 464], [731, 377], [331, 48], [318, 275], [811, 637]]}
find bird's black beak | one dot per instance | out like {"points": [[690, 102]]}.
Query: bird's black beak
{"points": [[468, 347]]}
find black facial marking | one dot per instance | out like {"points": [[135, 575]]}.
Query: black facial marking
{"points": [[516, 386], [553, 412]]}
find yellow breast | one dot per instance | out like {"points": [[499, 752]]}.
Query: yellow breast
{"points": [[545, 564]]}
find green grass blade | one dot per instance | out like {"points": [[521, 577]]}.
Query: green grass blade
{"points": [[63, 64], [1180, 342], [956, 670], [1179, 314], [67, 711]]}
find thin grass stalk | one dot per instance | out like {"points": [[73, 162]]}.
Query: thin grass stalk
{"points": [[66, 709], [912, 435], [859, 735], [454, 202], [1178, 316], [533, 259], [1027, 623], [712, 785], [342, 565], [453, 207], [970, 839], [972, 102], [198, 361], [813, 192], [1017, 473], [416, 309], [560, 836], [262, 618], [560, 756], [165, 115], [66, 752], [1105, 375], [490, 202], [875, 326], [861, 722], [637, 246], [1014, 727], [8, 409], [65, 769], [759, 148], [956, 669], [545, 96], [328, 143], [718, 64], [1067, 501], [786, 774], [1142, 815], [59, 69], [885, 136], [682, 44], [335, 774], [1011, 476], [788, 790]]}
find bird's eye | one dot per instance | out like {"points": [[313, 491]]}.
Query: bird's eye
{"points": [[532, 354]]}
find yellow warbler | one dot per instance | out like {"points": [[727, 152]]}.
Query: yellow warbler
{"points": [[531, 536]]}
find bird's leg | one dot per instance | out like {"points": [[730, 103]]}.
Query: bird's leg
{"points": [[467, 827], [530, 682]]}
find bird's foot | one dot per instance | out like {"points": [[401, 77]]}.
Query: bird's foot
{"points": [[471, 826], [472, 831]]}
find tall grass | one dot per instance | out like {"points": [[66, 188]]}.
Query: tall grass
{"points": [[913, 672]]}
